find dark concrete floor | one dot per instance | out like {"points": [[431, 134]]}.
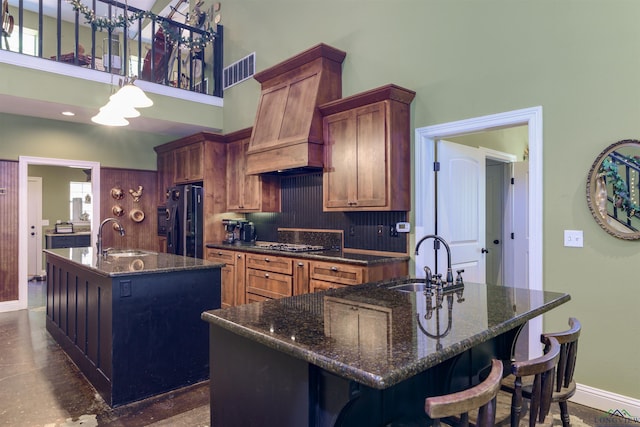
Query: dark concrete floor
{"points": [[40, 386]]}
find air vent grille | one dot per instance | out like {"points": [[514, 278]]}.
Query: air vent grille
{"points": [[239, 71]]}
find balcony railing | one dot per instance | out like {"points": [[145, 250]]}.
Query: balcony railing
{"points": [[124, 41]]}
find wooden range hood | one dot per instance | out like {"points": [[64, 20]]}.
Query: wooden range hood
{"points": [[287, 132]]}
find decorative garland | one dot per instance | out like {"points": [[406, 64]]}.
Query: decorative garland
{"points": [[622, 199], [171, 33]]}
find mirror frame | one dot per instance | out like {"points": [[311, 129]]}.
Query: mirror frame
{"points": [[595, 192]]}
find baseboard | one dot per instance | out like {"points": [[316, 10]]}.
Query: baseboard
{"points": [[607, 402]]}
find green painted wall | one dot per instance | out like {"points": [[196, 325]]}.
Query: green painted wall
{"points": [[578, 59]]}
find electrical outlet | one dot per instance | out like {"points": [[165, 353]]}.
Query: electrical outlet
{"points": [[393, 231], [380, 230]]}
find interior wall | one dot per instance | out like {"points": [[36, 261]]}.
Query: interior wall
{"points": [[468, 59], [9, 231], [55, 190]]}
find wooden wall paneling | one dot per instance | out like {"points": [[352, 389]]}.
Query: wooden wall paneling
{"points": [[138, 235], [8, 231]]}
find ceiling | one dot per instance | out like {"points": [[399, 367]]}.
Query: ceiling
{"points": [[52, 110]]}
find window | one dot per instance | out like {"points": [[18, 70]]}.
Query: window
{"points": [[29, 41], [80, 203]]}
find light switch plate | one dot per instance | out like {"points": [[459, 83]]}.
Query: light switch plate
{"points": [[573, 238]]}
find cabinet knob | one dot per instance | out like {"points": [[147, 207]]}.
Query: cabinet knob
{"points": [[334, 268], [301, 264], [239, 256], [267, 260], [266, 275]]}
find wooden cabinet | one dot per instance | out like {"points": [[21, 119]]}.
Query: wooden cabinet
{"points": [[269, 276], [188, 163], [367, 149], [248, 193], [165, 174], [232, 275]]}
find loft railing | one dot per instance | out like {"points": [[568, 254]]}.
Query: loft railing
{"points": [[146, 47]]}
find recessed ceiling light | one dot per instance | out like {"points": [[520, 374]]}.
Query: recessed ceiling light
{"points": [[68, 113]]}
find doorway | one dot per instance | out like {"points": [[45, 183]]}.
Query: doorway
{"points": [[23, 240], [425, 188]]}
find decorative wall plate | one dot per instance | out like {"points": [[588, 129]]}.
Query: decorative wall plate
{"points": [[117, 210], [136, 215], [117, 193]]}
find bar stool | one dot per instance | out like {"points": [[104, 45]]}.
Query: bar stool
{"points": [[533, 380], [565, 386], [481, 397]]}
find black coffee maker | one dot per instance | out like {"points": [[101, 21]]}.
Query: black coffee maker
{"points": [[247, 231]]}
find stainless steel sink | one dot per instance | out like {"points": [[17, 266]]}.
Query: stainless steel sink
{"points": [[124, 253], [410, 287]]}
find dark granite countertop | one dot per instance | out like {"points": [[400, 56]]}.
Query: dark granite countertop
{"points": [[302, 326], [327, 255], [140, 261]]}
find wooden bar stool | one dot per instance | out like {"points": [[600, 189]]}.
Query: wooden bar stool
{"points": [[565, 386], [481, 397], [533, 380]]}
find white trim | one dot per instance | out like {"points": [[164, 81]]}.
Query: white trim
{"points": [[498, 155], [606, 401], [424, 155], [68, 70], [23, 243]]}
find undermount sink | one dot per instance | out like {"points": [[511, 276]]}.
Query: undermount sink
{"points": [[123, 253], [410, 287]]}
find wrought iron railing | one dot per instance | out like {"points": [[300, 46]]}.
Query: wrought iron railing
{"points": [[133, 43]]}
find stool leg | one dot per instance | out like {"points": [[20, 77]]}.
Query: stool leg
{"points": [[564, 412]]}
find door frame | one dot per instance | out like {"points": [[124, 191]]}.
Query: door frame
{"points": [[38, 213], [424, 189], [23, 172]]}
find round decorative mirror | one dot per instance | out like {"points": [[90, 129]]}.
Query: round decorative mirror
{"points": [[613, 189]]}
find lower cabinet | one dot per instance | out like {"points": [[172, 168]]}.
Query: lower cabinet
{"points": [[251, 277], [232, 274]]}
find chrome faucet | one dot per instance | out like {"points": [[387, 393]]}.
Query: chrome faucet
{"points": [[99, 244], [446, 246]]}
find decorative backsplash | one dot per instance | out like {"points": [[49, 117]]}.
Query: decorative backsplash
{"points": [[302, 208]]}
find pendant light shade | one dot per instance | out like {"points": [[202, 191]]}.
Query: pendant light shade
{"points": [[130, 94], [123, 110], [109, 118]]}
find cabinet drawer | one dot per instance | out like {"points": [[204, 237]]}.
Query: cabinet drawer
{"points": [[320, 285], [269, 284], [275, 264], [220, 255], [336, 272]]}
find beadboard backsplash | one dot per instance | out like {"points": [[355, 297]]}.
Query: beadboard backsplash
{"points": [[302, 208]]}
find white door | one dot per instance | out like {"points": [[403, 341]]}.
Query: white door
{"points": [[517, 264], [34, 226], [461, 209], [495, 190]]}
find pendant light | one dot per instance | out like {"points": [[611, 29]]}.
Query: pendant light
{"points": [[122, 105]]}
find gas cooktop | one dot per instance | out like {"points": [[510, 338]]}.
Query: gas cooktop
{"points": [[289, 247]]}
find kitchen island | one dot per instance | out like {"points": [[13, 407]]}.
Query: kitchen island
{"points": [[131, 320], [359, 355]]}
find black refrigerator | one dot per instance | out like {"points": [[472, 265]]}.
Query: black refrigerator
{"points": [[185, 220]]}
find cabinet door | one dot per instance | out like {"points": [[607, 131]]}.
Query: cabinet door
{"points": [[371, 156], [271, 263], [340, 164], [188, 163], [166, 174], [268, 284], [227, 292], [300, 277], [243, 191], [338, 273], [229, 274]]}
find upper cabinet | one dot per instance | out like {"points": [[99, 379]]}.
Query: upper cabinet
{"points": [[287, 133], [189, 163], [367, 148], [248, 193]]}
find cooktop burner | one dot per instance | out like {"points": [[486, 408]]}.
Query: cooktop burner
{"points": [[289, 247]]}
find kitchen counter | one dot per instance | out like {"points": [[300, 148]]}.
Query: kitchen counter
{"points": [[131, 321], [390, 353], [143, 262], [327, 255]]}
